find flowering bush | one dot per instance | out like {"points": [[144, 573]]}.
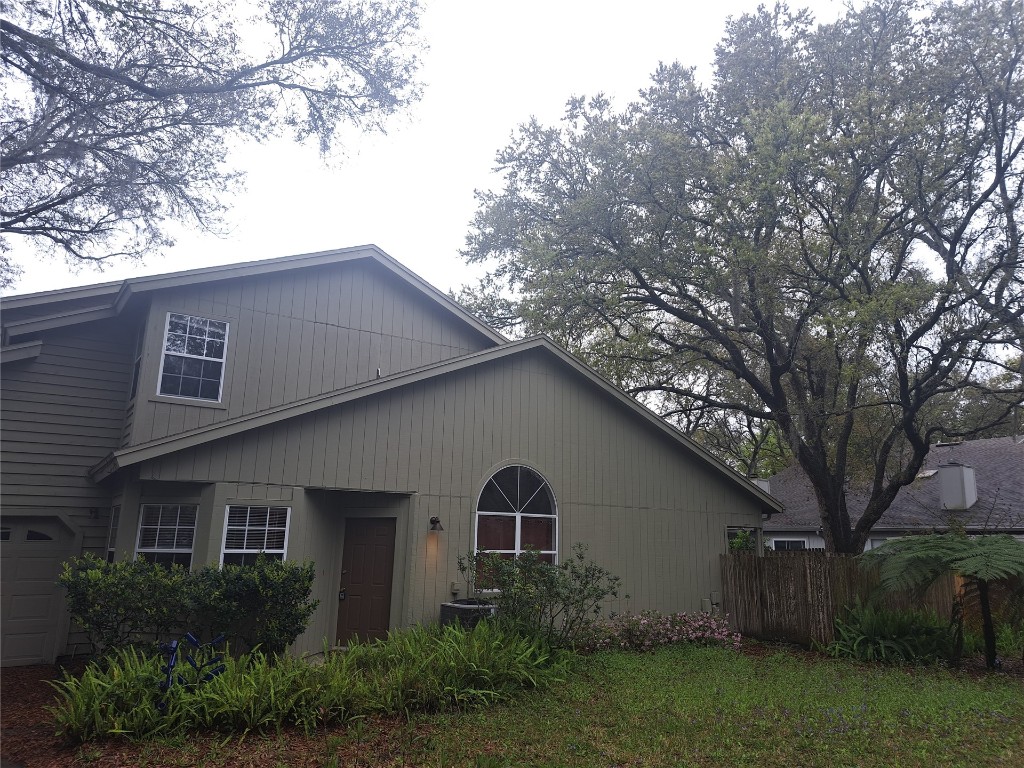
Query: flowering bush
{"points": [[650, 629]]}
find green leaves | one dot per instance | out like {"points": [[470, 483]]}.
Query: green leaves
{"points": [[824, 238], [415, 670], [871, 633], [266, 604], [913, 562], [552, 603], [123, 602]]}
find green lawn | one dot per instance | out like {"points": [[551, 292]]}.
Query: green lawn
{"points": [[701, 706], [683, 706]]}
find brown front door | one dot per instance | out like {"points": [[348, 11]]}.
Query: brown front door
{"points": [[367, 561]]}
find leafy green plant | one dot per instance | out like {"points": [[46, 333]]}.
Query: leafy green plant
{"points": [[118, 604], [266, 604], [420, 669], [914, 562], [543, 600], [743, 540], [872, 633]]}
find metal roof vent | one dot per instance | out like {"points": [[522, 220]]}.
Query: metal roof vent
{"points": [[763, 483], [957, 489]]}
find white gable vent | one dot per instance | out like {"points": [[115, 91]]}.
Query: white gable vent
{"points": [[957, 489]]}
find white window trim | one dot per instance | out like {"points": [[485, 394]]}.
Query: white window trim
{"points": [[224, 535], [518, 517], [163, 550], [804, 539], [112, 525], [164, 353]]}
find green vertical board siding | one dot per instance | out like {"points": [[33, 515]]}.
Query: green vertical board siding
{"points": [[298, 335], [60, 413], [649, 510]]}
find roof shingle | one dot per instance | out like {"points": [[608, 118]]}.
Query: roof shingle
{"points": [[998, 465]]}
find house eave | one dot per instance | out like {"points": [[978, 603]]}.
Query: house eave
{"points": [[25, 351]]}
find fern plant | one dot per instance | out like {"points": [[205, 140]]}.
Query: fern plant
{"points": [[914, 562]]}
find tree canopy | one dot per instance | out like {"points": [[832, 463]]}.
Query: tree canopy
{"points": [[116, 115], [822, 244]]}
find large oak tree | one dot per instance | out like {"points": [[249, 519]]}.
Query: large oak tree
{"points": [[824, 241], [115, 115]]}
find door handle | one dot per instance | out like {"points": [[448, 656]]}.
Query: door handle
{"points": [[341, 594]]}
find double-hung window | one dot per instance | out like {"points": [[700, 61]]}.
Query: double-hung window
{"points": [[193, 357], [249, 531], [166, 532]]}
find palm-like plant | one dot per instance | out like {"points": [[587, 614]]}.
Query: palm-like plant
{"points": [[914, 562]]}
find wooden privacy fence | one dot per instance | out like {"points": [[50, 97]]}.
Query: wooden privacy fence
{"points": [[796, 596]]}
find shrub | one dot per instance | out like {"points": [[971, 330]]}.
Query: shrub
{"points": [[871, 633], [265, 604], [650, 629], [118, 604], [413, 670], [551, 602], [125, 603]]}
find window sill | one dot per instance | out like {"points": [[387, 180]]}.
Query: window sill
{"points": [[193, 401]]}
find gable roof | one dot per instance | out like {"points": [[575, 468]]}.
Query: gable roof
{"points": [[35, 312], [998, 464], [192, 438]]}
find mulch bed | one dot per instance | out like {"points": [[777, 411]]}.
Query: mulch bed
{"points": [[26, 731], [26, 734]]}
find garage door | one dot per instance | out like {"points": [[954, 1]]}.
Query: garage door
{"points": [[31, 604]]}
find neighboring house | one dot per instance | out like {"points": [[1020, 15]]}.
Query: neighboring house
{"points": [[329, 407], [978, 484]]}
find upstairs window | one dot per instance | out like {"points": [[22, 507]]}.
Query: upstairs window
{"points": [[249, 531], [166, 532], [193, 357], [516, 513]]}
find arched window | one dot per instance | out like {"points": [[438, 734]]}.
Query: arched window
{"points": [[515, 513]]}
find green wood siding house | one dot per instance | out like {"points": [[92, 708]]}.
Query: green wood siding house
{"points": [[327, 407]]}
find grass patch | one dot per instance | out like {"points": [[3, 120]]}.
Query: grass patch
{"points": [[711, 706]]}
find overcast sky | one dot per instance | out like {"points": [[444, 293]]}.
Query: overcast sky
{"points": [[491, 66]]}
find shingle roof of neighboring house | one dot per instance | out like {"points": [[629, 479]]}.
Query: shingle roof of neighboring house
{"points": [[998, 465]]}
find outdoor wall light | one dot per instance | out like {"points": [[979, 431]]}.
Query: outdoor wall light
{"points": [[435, 524]]}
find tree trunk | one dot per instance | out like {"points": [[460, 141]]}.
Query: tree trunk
{"points": [[987, 628]]}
